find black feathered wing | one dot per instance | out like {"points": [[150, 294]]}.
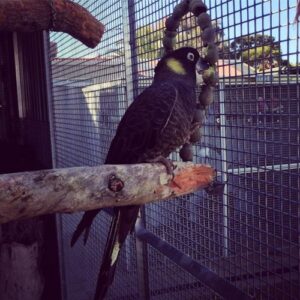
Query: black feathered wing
{"points": [[141, 129]]}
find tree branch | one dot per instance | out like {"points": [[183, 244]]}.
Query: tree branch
{"points": [[29, 194], [58, 15]]}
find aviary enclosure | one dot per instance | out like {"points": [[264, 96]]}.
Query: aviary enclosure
{"points": [[241, 244], [249, 236]]}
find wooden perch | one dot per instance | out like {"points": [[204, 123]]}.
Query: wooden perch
{"points": [[29, 194], [57, 15]]}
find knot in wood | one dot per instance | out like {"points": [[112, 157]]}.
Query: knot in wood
{"points": [[115, 184]]}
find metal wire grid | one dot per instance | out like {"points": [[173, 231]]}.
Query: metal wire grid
{"points": [[262, 150], [81, 264], [84, 125], [177, 284], [249, 236], [89, 98]]}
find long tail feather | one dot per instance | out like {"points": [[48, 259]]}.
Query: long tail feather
{"points": [[121, 225], [84, 225]]}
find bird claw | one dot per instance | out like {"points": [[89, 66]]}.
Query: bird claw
{"points": [[170, 167], [195, 126]]}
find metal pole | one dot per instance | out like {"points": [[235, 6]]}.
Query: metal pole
{"points": [[19, 85], [218, 284], [49, 96], [58, 217], [18, 63], [142, 260], [224, 165], [250, 170], [131, 92]]}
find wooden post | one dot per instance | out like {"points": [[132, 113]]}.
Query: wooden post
{"points": [[29, 194], [57, 15], [20, 277]]}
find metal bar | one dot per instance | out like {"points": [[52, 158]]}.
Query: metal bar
{"points": [[206, 276], [128, 51], [142, 262], [49, 96], [132, 44], [58, 217], [224, 166], [280, 167], [131, 92], [18, 75], [62, 259]]}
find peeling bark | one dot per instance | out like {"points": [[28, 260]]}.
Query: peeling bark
{"points": [[29, 194]]}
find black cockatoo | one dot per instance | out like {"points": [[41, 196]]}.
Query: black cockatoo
{"points": [[157, 122]]}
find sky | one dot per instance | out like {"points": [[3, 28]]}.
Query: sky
{"points": [[237, 17], [271, 17]]}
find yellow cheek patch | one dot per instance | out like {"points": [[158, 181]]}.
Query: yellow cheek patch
{"points": [[176, 66]]}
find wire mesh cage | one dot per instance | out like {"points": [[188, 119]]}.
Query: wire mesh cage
{"points": [[249, 236]]}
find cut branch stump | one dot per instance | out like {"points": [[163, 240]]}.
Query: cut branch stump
{"points": [[29, 194], [57, 15]]}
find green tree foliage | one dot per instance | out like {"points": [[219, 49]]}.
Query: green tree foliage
{"points": [[149, 40], [149, 37], [259, 51]]}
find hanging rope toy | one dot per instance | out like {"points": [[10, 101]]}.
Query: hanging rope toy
{"points": [[209, 58]]}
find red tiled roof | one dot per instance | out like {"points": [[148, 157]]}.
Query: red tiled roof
{"points": [[82, 59]]}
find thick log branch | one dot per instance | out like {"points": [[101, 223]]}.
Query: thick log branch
{"points": [[28, 194], [58, 15]]}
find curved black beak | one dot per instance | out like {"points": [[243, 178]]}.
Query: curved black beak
{"points": [[201, 65]]}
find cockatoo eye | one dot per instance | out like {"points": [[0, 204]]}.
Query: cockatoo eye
{"points": [[190, 56]]}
